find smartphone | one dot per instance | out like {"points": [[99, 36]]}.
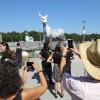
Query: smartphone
{"points": [[29, 66], [70, 43]]}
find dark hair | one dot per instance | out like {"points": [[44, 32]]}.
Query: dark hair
{"points": [[7, 46], [58, 48], [57, 54], [46, 44], [7, 49], [7, 53], [18, 44], [10, 80], [12, 55]]}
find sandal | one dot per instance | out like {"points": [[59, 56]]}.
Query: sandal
{"points": [[55, 96], [62, 95]]}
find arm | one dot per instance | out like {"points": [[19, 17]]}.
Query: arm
{"points": [[40, 56], [75, 51], [63, 58], [33, 93], [50, 59], [25, 74]]}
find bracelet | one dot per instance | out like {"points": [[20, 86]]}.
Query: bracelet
{"points": [[63, 56], [39, 71]]}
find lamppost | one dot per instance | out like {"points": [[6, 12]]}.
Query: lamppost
{"points": [[84, 29], [84, 33]]}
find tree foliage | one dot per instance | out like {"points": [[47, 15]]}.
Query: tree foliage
{"points": [[20, 36], [80, 37]]}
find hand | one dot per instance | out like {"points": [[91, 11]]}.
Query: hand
{"points": [[65, 50], [25, 74], [75, 50], [36, 67]]}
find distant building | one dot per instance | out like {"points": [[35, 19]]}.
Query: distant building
{"points": [[29, 38]]}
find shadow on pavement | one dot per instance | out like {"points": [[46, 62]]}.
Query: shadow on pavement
{"points": [[36, 76], [51, 88]]}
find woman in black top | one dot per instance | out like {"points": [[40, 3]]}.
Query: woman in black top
{"points": [[56, 58], [46, 66]]}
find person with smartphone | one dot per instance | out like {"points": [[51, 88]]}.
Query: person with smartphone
{"points": [[69, 55], [84, 87], [55, 58], [11, 83]]}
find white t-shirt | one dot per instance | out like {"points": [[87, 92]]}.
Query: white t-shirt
{"points": [[81, 88]]}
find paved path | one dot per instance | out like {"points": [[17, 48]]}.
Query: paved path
{"points": [[77, 70]]}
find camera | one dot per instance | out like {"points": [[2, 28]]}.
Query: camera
{"points": [[70, 43], [29, 66]]}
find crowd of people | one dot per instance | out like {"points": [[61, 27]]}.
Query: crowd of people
{"points": [[80, 88], [11, 83], [7, 53]]}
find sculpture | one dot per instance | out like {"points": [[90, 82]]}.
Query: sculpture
{"points": [[49, 32]]}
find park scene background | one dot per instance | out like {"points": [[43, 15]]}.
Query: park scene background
{"points": [[20, 16]]}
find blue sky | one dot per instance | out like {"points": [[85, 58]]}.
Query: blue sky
{"points": [[20, 15]]}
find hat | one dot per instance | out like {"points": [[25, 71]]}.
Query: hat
{"points": [[90, 55]]}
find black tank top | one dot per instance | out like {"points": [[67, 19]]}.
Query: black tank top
{"points": [[18, 96]]}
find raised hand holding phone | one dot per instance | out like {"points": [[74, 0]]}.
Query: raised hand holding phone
{"points": [[36, 67], [70, 43]]}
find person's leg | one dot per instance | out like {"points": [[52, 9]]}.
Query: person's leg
{"points": [[62, 89], [49, 73], [56, 88], [44, 68]]}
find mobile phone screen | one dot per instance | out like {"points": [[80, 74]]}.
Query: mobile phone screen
{"points": [[29, 66], [70, 43]]}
